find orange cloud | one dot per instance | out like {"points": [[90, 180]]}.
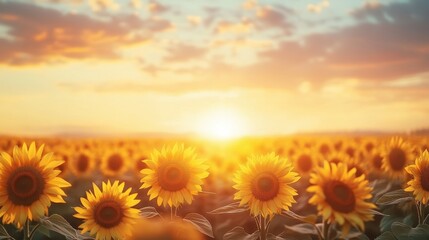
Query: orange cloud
{"points": [[234, 27], [57, 36]]}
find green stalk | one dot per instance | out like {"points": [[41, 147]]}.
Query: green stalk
{"points": [[27, 230], [326, 228], [263, 231]]}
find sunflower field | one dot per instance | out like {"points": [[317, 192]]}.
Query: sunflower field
{"points": [[271, 188]]}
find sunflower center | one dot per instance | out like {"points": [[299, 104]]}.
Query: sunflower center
{"points": [[369, 146], [173, 177], [339, 196], [82, 163], [350, 151], [397, 159], [305, 163], [335, 160], [108, 214], [265, 186], [25, 185], [424, 178], [377, 160], [115, 162], [324, 149]]}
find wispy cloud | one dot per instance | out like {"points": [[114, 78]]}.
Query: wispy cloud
{"points": [[44, 35]]}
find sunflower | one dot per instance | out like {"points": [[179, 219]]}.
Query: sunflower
{"points": [[340, 196], [264, 185], [82, 164], [305, 161], [376, 160], [396, 156], [174, 175], [114, 163], [324, 148], [28, 184], [108, 213], [419, 185]]}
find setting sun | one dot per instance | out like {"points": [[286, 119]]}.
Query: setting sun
{"points": [[222, 124]]}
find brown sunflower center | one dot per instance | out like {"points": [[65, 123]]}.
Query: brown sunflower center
{"points": [[305, 163], [115, 162], [108, 214], [424, 178], [335, 160], [397, 159], [265, 186], [25, 185], [339, 196], [324, 149], [82, 163], [377, 161], [369, 146], [350, 151], [173, 177]]}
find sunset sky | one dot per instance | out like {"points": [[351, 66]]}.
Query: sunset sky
{"points": [[210, 67]]}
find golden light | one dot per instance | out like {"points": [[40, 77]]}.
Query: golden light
{"points": [[221, 124]]}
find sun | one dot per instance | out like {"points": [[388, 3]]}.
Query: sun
{"points": [[221, 124]]}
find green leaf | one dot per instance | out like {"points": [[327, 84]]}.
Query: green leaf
{"points": [[201, 223], [230, 208], [148, 212], [394, 197], [386, 236], [58, 224], [400, 230], [308, 219], [303, 228], [419, 232], [239, 233], [3, 233]]}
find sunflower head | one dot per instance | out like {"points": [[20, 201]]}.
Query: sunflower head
{"points": [[29, 182], [263, 184], [108, 213], [419, 184], [174, 175], [324, 148], [396, 156], [114, 163], [82, 164], [305, 161], [340, 196]]}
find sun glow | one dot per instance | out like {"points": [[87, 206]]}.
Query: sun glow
{"points": [[222, 124]]}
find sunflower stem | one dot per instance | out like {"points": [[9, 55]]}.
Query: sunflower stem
{"points": [[33, 231], [27, 230], [326, 228], [427, 216], [263, 231], [258, 223], [171, 213]]}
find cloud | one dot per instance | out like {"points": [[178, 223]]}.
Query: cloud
{"points": [[318, 7], [154, 7], [103, 5], [184, 52], [44, 35], [241, 27], [371, 55]]}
